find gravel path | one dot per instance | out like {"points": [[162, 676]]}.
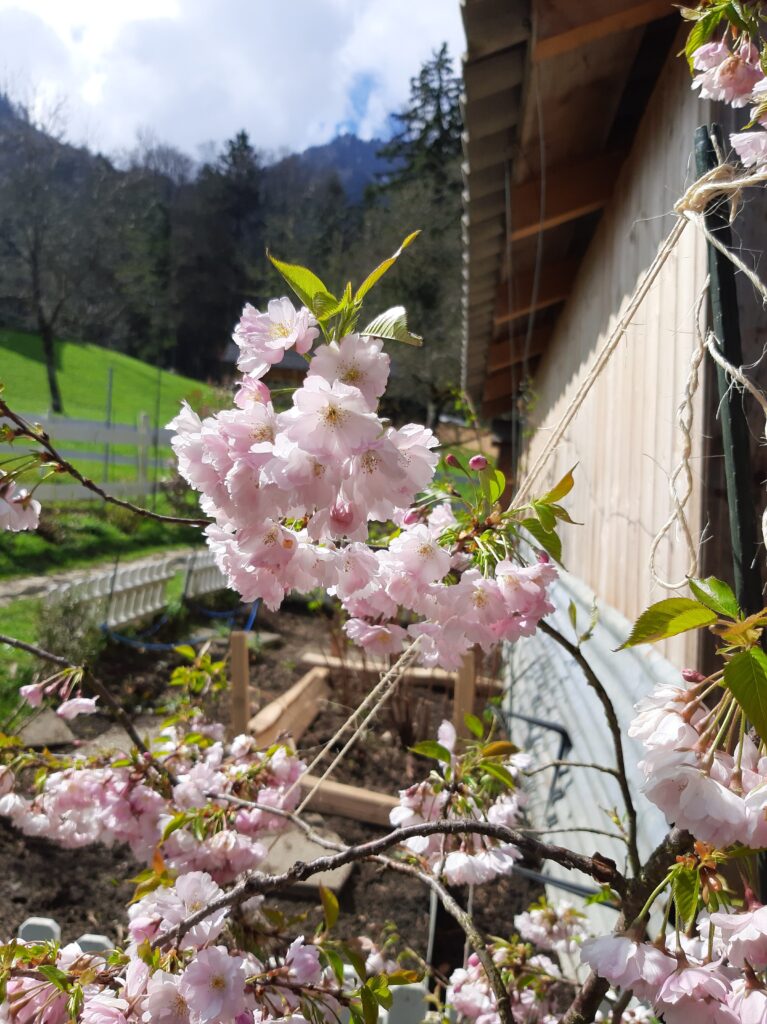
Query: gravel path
{"points": [[37, 586]]}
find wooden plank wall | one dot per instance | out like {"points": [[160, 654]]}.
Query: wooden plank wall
{"points": [[625, 439]]}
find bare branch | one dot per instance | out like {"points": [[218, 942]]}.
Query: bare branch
{"points": [[54, 456], [615, 730], [601, 869]]}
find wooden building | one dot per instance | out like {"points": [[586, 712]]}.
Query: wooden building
{"points": [[579, 124]]}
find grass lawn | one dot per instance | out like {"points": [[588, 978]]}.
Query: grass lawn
{"points": [[75, 535], [83, 372]]}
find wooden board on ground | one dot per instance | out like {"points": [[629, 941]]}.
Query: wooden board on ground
{"points": [[293, 845], [292, 712], [436, 677], [349, 801]]}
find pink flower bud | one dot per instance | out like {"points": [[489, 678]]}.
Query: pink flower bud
{"points": [[451, 460], [543, 558], [411, 517], [478, 462], [691, 675]]}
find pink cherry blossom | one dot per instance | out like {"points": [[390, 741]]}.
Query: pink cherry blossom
{"points": [[356, 361], [18, 509], [213, 985], [726, 75], [77, 706], [751, 147], [263, 338]]}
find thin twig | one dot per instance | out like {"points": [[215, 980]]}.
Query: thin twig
{"points": [[96, 686], [42, 438], [473, 934], [572, 764], [615, 730]]}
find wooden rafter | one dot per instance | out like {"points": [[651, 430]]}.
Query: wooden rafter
{"points": [[621, 19], [571, 192], [556, 280], [511, 351], [504, 402]]}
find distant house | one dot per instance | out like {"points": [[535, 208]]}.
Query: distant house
{"points": [[579, 122], [288, 373]]}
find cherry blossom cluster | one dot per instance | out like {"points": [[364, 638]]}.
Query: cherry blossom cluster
{"points": [[322, 496], [731, 72], [702, 980], [136, 804], [691, 769], [453, 793], [531, 979], [558, 927], [208, 983]]}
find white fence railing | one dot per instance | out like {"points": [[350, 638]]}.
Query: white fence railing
{"points": [[203, 576], [132, 592], [97, 440]]}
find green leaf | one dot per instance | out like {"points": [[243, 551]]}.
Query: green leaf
{"points": [[369, 1005], [474, 725], [685, 887], [559, 490], [56, 977], [500, 748], [717, 596], [186, 651], [745, 676], [336, 963], [547, 539], [498, 772], [403, 977], [430, 748], [493, 483], [304, 283], [379, 986], [176, 822], [381, 269], [668, 618], [324, 305], [357, 961], [392, 326], [572, 613], [700, 33], [545, 515], [329, 906]]}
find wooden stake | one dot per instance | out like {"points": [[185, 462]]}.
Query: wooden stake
{"points": [[465, 692], [239, 695]]}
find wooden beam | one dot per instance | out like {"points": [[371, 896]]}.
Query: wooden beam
{"points": [[508, 352], [504, 403], [349, 801], [239, 692], [620, 20], [292, 712], [554, 286], [571, 191]]}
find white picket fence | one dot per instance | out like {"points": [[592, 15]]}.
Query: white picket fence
{"points": [[99, 439], [132, 592]]}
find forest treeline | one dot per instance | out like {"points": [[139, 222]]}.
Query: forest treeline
{"points": [[155, 255]]}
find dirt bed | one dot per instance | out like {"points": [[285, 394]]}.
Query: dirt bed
{"points": [[86, 890]]}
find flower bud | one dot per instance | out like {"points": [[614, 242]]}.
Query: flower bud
{"points": [[451, 460], [478, 462], [411, 517], [691, 675]]}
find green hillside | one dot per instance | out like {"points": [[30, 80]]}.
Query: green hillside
{"points": [[83, 371]]}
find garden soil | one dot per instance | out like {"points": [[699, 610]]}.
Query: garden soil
{"points": [[86, 890]]}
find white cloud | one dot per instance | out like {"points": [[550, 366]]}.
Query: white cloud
{"points": [[288, 71]]}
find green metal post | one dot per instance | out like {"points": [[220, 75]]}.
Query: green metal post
{"points": [[726, 325]]}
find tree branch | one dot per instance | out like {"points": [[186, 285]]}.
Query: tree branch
{"points": [[615, 730], [601, 869], [42, 438]]}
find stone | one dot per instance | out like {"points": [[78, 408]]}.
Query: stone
{"points": [[293, 845], [39, 929], [46, 729], [90, 943]]}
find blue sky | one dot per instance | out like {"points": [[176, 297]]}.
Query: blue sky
{"points": [[291, 72]]}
